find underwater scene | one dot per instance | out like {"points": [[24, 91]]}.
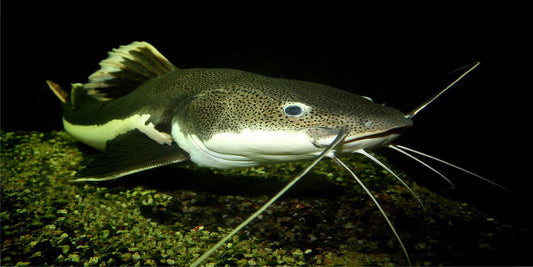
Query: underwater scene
{"points": [[171, 215]]}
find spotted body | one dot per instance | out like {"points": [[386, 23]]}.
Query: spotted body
{"points": [[221, 118], [143, 112]]}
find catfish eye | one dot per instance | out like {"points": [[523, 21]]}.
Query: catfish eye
{"points": [[295, 109]]}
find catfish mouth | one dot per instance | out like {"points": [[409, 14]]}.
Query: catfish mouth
{"points": [[372, 140], [358, 141]]}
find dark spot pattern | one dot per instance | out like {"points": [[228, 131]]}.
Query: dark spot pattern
{"points": [[210, 101]]}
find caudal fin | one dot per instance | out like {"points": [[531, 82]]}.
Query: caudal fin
{"points": [[70, 100], [63, 95]]}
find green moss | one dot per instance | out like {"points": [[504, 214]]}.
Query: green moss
{"points": [[170, 217]]}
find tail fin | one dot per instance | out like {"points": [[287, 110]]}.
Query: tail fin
{"points": [[72, 99], [63, 95], [125, 69]]}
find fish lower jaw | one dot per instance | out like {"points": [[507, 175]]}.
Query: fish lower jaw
{"points": [[370, 142], [361, 143]]}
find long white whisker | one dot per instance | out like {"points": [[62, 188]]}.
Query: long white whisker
{"points": [[366, 154], [340, 137], [338, 161], [421, 107], [396, 148], [456, 167]]}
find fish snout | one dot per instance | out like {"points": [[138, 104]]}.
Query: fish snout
{"points": [[364, 133]]}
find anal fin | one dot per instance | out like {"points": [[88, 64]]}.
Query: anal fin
{"points": [[129, 153]]}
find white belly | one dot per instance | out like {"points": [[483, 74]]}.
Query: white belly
{"points": [[248, 148]]}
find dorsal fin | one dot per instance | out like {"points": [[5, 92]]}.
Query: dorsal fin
{"points": [[125, 69]]}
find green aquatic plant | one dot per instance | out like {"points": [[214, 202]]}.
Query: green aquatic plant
{"points": [[158, 219]]}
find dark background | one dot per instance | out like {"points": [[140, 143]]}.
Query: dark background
{"points": [[399, 55]]}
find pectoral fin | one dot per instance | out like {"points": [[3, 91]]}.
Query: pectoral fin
{"points": [[129, 153]]}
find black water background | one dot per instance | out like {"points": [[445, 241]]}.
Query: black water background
{"points": [[396, 58]]}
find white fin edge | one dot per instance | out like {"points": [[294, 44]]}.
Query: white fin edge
{"points": [[113, 63], [149, 64]]}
